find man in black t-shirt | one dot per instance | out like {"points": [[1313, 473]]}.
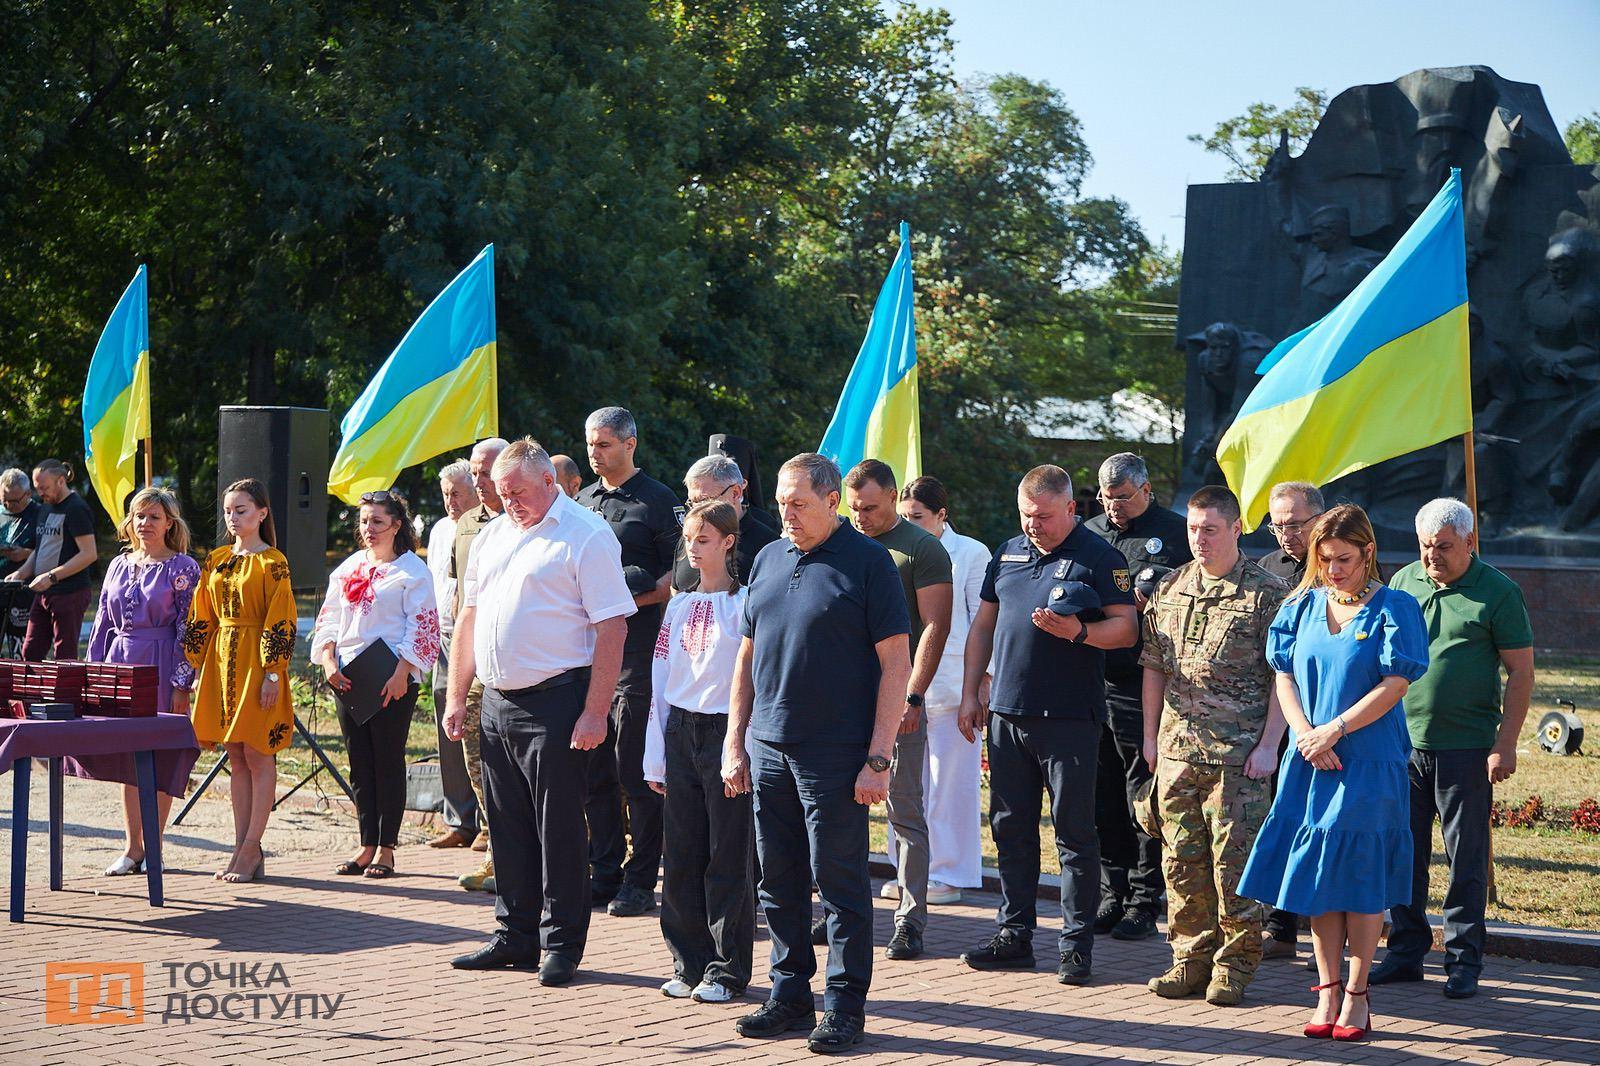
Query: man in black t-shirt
{"points": [[58, 569], [647, 519], [19, 521]]}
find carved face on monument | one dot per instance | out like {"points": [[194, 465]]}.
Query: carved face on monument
{"points": [[1561, 263], [1221, 352], [1330, 229]]}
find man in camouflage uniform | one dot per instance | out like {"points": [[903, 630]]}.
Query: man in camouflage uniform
{"points": [[1211, 732]]}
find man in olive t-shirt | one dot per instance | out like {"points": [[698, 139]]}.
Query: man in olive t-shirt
{"points": [[1463, 736], [927, 577]]}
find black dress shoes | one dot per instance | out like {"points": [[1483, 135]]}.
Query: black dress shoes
{"points": [[557, 970], [496, 955], [1461, 985], [1393, 971]]}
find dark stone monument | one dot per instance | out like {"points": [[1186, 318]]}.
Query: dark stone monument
{"points": [[1264, 259]]}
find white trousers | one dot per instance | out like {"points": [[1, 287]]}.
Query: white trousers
{"points": [[952, 780]]}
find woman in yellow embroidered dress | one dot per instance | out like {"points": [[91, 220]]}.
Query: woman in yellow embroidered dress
{"points": [[239, 639]]}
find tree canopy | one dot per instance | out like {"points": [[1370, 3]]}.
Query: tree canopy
{"points": [[1248, 141]]}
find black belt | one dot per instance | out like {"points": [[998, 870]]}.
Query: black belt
{"points": [[568, 677]]}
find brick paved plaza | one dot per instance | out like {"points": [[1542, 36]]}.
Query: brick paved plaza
{"points": [[384, 949]]}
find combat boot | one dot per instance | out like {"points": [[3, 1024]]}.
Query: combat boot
{"points": [[1187, 977], [1226, 988]]}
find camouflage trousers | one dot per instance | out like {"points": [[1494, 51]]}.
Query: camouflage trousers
{"points": [[1210, 815], [472, 745]]}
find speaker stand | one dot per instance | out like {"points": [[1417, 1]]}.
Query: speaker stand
{"points": [[311, 742]]}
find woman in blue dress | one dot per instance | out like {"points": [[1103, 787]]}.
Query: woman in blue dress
{"points": [[1337, 842]]}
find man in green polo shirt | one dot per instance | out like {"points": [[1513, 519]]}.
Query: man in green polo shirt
{"points": [[1463, 735]]}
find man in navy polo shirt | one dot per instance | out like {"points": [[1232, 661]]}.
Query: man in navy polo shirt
{"points": [[819, 686], [1048, 699]]}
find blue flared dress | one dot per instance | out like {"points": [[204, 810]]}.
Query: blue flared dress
{"points": [[1340, 840]]}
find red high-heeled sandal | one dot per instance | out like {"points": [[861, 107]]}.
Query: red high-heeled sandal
{"points": [[1322, 1030], [1354, 1032]]}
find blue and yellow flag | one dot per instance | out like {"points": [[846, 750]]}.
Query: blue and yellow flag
{"points": [[116, 398], [437, 391], [877, 416], [1384, 373]]}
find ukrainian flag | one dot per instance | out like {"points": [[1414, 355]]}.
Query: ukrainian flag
{"points": [[877, 415], [1384, 373], [116, 397], [437, 391]]}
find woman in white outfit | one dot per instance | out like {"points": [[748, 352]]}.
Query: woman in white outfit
{"points": [[707, 906], [953, 776]]}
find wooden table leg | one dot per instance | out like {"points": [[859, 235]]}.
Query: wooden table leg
{"points": [[150, 818], [56, 818], [19, 836]]}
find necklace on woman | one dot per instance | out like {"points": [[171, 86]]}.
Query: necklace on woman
{"points": [[1350, 601]]}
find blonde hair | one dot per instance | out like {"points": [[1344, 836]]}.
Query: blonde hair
{"points": [[1348, 523], [177, 537]]}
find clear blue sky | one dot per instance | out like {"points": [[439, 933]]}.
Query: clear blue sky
{"points": [[1143, 75]]}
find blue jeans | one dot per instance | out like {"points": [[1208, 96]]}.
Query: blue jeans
{"points": [[809, 826]]}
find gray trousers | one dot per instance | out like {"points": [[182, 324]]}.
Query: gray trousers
{"points": [[908, 817], [460, 802]]}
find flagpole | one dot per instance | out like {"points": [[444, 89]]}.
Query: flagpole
{"points": [[1471, 471], [148, 463]]}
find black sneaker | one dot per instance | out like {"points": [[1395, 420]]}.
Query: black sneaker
{"points": [[1074, 969], [819, 931], [905, 944], [1135, 925], [1110, 914], [775, 1018], [600, 895], [1009, 950], [631, 902], [838, 1032]]}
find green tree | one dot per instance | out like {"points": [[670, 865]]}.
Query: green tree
{"points": [[1248, 141], [1583, 138]]}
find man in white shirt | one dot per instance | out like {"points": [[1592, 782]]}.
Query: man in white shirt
{"points": [[550, 570], [460, 803]]}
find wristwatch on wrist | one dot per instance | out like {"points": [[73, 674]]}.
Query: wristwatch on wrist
{"points": [[877, 763], [914, 699], [1083, 632]]}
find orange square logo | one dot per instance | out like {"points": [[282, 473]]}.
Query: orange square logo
{"points": [[94, 993]]}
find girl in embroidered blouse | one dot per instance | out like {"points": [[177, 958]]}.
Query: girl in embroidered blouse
{"points": [[707, 909], [144, 605], [239, 640], [382, 592]]}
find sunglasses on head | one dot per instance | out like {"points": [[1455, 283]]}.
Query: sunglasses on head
{"points": [[381, 496]]}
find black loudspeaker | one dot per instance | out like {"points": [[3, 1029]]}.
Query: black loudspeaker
{"points": [[287, 449]]}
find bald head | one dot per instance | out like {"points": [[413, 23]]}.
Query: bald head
{"points": [[568, 476]]}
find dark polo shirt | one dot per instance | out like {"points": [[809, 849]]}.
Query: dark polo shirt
{"points": [[1036, 674], [1159, 537], [647, 518], [1281, 564], [815, 619]]}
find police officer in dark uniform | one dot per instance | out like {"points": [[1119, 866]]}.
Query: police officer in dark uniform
{"points": [[1046, 713], [1147, 535], [716, 477], [647, 519]]}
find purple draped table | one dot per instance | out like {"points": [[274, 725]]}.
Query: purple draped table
{"points": [[152, 753]]}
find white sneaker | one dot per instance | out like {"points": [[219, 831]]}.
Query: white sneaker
{"points": [[890, 890], [677, 989], [938, 893], [712, 992]]}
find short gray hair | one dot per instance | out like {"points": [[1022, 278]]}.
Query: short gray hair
{"points": [[718, 468], [1304, 489], [15, 479], [528, 454], [1124, 468], [619, 420], [489, 446], [820, 471], [460, 470], [1445, 511]]}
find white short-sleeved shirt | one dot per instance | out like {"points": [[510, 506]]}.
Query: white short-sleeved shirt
{"points": [[392, 602], [693, 665], [540, 592], [441, 543], [968, 560]]}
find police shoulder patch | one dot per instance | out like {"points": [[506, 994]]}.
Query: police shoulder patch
{"points": [[1122, 579], [679, 513]]}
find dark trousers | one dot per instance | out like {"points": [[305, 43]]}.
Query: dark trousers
{"points": [[460, 802], [533, 783], [809, 827], [1130, 859], [377, 752], [1057, 755], [54, 622], [708, 916], [615, 774], [1282, 926], [1454, 786]]}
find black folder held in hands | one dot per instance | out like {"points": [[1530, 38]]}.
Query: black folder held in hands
{"points": [[368, 673]]}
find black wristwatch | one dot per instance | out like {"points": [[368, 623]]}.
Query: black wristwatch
{"points": [[877, 763], [1083, 632], [913, 699]]}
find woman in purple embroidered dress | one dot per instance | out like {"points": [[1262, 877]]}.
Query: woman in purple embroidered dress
{"points": [[143, 606]]}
